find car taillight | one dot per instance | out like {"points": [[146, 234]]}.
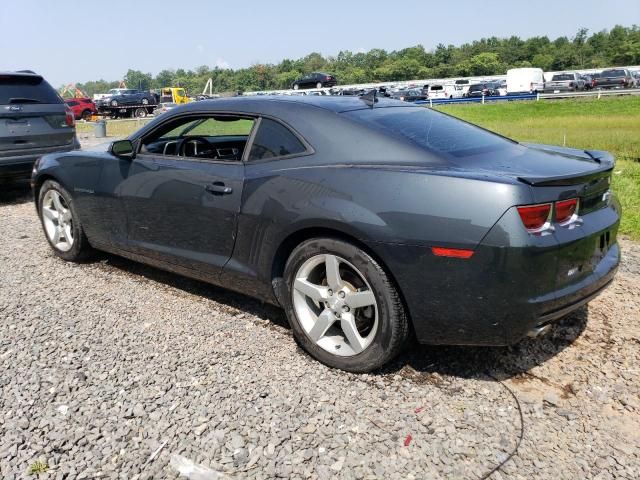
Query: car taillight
{"points": [[566, 209], [327, 78], [69, 118], [535, 217]]}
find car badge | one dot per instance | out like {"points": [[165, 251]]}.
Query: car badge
{"points": [[15, 108]]}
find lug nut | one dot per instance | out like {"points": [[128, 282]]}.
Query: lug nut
{"points": [[341, 294], [346, 309], [330, 292]]}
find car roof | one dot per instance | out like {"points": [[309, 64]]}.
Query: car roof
{"points": [[267, 103]]}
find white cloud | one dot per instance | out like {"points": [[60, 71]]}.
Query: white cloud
{"points": [[222, 63]]}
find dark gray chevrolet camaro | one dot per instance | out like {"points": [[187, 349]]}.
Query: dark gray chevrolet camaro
{"points": [[367, 221]]}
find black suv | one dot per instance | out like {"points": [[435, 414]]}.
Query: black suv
{"points": [[33, 121], [315, 80]]}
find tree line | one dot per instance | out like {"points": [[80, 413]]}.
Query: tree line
{"points": [[487, 56]]}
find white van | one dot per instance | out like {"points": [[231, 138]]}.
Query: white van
{"points": [[525, 80], [444, 91]]}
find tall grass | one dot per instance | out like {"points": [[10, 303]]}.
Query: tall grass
{"points": [[611, 124]]}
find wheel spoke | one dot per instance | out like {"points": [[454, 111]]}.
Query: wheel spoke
{"points": [[332, 265], [68, 233], [56, 236], [348, 324], [360, 299], [311, 290], [324, 321], [49, 213], [57, 203]]}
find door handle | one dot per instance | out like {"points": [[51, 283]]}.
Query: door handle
{"points": [[218, 188]]}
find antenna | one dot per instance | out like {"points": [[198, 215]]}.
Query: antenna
{"points": [[370, 98]]}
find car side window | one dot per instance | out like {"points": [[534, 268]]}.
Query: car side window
{"points": [[274, 140], [205, 137]]}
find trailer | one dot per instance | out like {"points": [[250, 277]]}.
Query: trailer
{"points": [[127, 111]]}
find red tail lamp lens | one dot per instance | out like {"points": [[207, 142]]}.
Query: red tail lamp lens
{"points": [[534, 217], [451, 252], [565, 209]]}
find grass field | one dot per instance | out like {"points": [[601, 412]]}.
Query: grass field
{"points": [[611, 124]]}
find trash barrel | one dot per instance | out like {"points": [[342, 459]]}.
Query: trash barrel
{"points": [[100, 129]]}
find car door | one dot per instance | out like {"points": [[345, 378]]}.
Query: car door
{"points": [[182, 202]]}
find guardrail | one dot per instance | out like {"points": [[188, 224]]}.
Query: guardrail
{"points": [[532, 96]]}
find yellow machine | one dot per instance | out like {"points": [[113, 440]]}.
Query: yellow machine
{"points": [[173, 95]]}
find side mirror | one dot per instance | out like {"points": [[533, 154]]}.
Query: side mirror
{"points": [[123, 149]]}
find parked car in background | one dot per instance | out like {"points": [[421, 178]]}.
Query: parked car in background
{"points": [[524, 80], [589, 81], [410, 95], [34, 121], [446, 90], [486, 89], [315, 80], [564, 82], [124, 97], [636, 77], [616, 78], [164, 107], [82, 108], [462, 85], [438, 230]]}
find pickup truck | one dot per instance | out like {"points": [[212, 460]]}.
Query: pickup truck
{"points": [[564, 82], [616, 78]]}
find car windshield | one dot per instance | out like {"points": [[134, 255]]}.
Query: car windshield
{"points": [[563, 76], [477, 87], [26, 89], [614, 73], [431, 130]]}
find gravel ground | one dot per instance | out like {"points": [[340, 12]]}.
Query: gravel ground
{"points": [[115, 370]]}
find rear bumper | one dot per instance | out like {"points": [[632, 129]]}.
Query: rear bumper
{"points": [[18, 167], [510, 286]]}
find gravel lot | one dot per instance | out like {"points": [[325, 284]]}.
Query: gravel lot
{"points": [[116, 370]]}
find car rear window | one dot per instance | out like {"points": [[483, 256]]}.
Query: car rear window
{"points": [[431, 130], [26, 89], [564, 76], [477, 87]]}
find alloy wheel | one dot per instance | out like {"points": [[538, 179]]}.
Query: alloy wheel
{"points": [[335, 305], [58, 221]]}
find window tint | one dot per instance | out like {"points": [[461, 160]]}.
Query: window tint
{"points": [[431, 130], [564, 76], [26, 89], [274, 140]]}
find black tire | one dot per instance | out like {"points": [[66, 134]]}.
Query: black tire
{"points": [[393, 330], [81, 250], [140, 112], [319, 85], [296, 86], [86, 115]]}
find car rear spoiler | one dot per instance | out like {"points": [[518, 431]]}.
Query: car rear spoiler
{"points": [[605, 160]]}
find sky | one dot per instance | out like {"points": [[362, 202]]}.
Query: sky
{"points": [[71, 41]]}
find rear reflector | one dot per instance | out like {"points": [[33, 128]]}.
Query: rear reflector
{"points": [[535, 217], [566, 209], [451, 252]]}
